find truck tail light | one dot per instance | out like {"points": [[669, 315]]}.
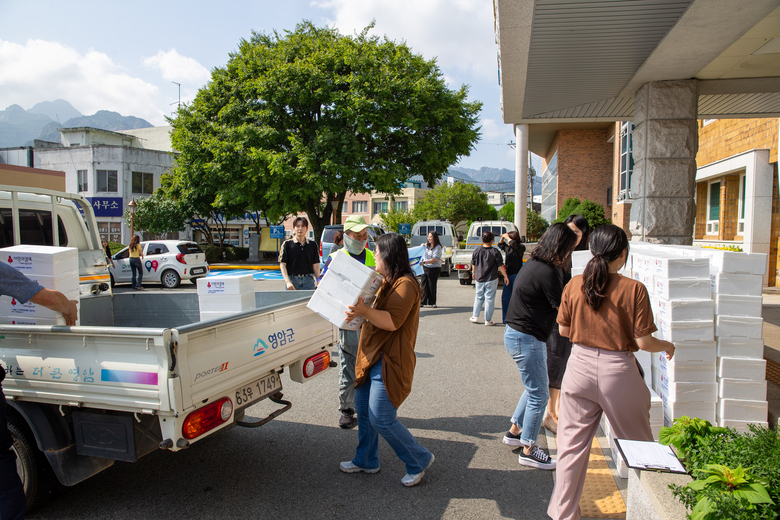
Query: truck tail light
{"points": [[180, 258], [320, 249], [461, 267], [316, 364], [207, 418]]}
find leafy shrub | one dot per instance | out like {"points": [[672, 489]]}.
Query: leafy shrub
{"points": [[592, 211], [228, 254], [535, 225], [758, 451], [725, 248], [685, 434]]}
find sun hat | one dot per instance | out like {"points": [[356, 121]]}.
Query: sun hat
{"points": [[355, 223]]}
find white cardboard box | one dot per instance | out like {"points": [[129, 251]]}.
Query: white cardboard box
{"points": [[685, 310], [42, 260], [345, 281], [739, 327], [667, 265], [742, 410], [734, 305], [737, 284], [226, 284], [226, 302], [682, 289], [742, 368], [751, 390], [736, 262], [752, 348]]}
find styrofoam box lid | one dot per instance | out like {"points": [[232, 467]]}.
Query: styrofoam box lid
{"points": [[740, 326], [705, 392], [682, 289], [737, 284], [46, 260], [703, 351], [752, 348], [738, 305], [226, 284], [736, 262], [353, 270], [63, 282], [741, 368], [691, 330], [668, 265], [731, 388], [740, 426], [675, 409], [681, 310], [580, 258], [741, 408]]}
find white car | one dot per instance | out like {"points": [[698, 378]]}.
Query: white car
{"points": [[165, 261]]}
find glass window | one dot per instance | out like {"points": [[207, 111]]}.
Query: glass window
{"points": [[345, 207], [156, 248], [82, 180], [34, 228], [380, 207], [143, 183], [360, 206], [713, 208], [401, 205], [550, 190], [111, 231], [189, 248], [107, 181], [742, 192], [626, 158]]}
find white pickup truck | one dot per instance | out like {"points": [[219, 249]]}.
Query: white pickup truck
{"points": [[146, 374], [461, 258]]}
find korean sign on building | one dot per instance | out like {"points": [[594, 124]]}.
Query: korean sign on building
{"points": [[106, 206]]}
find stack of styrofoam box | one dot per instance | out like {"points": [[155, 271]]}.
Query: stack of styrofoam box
{"points": [[225, 295], [55, 268], [684, 311], [737, 282], [579, 259], [345, 281]]}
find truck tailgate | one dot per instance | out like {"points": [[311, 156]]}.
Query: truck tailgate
{"points": [[222, 355]]}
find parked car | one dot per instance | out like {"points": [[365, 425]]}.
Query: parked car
{"points": [[329, 232], [165, 261]]}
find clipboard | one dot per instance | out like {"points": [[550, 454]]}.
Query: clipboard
{"points": [[652, 456]]}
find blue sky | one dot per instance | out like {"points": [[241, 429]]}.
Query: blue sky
{"points": [[124, 56]]}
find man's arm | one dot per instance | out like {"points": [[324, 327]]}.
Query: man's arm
{"points": [[316, 268], [57, 302], [283, 268]]}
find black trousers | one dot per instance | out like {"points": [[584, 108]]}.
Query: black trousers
{"points": [[12, 501], [558, 352], [429, 280]]}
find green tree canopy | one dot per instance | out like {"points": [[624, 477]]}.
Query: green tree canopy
{"points": [[535, 225], [157, 214], [458, 202], [296, 120], [394, 217], [507, 211], [592, 211]]}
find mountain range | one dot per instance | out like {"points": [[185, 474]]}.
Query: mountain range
{"points": [[20, 127], [492, 179]]}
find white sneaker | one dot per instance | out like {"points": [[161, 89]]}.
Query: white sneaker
{"points": [[489, 323], [348, 467], [413, 480], [536, 458], [473, 319]]}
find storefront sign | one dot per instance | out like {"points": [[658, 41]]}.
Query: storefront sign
{"points": [[106, 206]]}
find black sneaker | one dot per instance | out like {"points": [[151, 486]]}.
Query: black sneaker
{"points": [[536, 458], [510, 439], [347, 419]]}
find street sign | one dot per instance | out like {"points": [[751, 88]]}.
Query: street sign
{"points": [[277, 232], [405, 229]]}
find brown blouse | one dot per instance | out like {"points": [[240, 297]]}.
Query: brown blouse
{"points": [[624, 314], [396, 347]]}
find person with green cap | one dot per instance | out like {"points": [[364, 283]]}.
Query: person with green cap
{"points": [[355, 241]]}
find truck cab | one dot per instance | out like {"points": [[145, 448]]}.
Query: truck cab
{"points": [[461, 258], [447, 236]]}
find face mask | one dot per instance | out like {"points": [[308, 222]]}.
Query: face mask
{"points": [[355, 247]]}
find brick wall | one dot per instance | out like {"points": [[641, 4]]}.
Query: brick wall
{"points": [[723, 138], [585, 165], [774, 280], [729, 206], [700, 226]]}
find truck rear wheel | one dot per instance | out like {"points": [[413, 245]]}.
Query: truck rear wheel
{"points": [[37, 476]]}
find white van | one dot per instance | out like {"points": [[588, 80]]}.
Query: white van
{"points": [[447, 236], [461, 258]]}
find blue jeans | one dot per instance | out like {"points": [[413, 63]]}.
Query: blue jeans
{"points": [[303, 283], [486, 293], [135, 266], [377, 415], [530, 354], [506, 295]]}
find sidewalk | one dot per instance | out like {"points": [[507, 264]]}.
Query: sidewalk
{"points": [[772, 351]]}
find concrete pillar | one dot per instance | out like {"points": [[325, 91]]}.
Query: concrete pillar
{"points": [[666, 140], [521, 177]]}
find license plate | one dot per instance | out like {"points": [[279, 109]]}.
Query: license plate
{"points": [[257, 390], [197, 270]]}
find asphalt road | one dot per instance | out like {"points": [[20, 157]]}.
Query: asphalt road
{"points": [[465, 389]]}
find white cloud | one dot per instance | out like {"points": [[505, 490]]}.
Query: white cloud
{"points": [[175, 67], [44, 71], [459, 33]]}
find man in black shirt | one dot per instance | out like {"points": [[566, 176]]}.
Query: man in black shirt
{"points": [[299, 259], [486, 263]]}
